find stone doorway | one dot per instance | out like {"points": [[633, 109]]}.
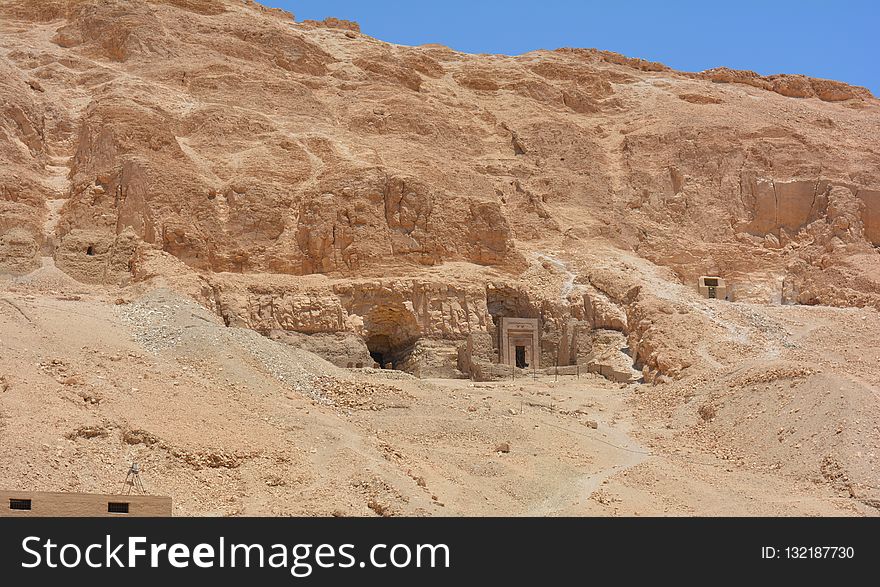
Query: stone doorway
{"points": [[519, 342]]}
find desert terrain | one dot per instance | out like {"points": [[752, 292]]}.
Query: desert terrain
{"points": [[218, 224]]}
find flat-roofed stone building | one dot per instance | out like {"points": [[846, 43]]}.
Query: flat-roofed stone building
{"points": [[712, 287], [61, 504]]}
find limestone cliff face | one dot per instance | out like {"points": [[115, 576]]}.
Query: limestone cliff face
{"points": [[236, 143], [400, 309]]}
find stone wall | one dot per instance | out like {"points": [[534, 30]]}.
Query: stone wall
{"points": [[97, 257]]}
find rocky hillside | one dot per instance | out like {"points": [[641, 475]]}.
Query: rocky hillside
{"points": [[371, 202], [226, 142]]}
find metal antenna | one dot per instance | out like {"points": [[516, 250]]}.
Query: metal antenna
{"points": [[133, 481]]}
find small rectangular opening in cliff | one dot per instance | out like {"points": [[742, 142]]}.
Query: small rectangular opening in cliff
{"points": [[521, 357]]}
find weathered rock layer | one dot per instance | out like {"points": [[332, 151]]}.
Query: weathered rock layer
{"points": [[423, 189]]}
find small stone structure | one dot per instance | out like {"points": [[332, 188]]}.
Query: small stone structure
{"points": [[572, 348], [520, 342], [70, 505], [712, 287]]}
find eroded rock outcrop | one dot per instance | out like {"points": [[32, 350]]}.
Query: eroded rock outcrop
{"points": [[387, 171], [610, 359], [793, 86]]}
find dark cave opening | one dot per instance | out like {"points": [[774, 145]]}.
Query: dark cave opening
{"points": [[390, 333], [386, 353], [379, 346]]}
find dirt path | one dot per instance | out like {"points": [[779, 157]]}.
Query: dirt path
{"points": [[624, 453]]}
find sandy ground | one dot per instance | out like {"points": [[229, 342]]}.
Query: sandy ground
{"points": [[228, 422]]}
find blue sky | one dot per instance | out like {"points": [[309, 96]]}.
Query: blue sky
{"points": [[836, 40]]}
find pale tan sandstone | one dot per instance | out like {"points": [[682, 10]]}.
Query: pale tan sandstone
{"points": [[358, 200]]}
